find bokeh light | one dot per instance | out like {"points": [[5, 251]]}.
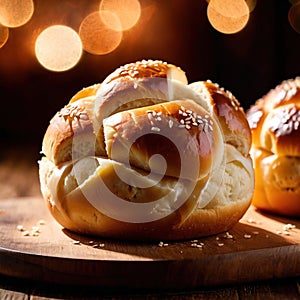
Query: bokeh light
{"points": [[15, 13], [96, 37], [228, 16], [293, 1], [128, 12], [58, 48], [251, 4], [4, 33], [294, 16]]}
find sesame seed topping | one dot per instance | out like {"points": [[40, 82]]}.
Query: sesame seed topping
{"points": [[140, 69], [284, 121], [192, 119], [72, 111]]}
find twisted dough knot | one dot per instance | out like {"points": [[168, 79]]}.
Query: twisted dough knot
{"points": [[148, 156]]}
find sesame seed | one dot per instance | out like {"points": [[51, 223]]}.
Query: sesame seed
{"points": [[154, 128], [288, 227], [247, 236], [41, 222], [35, 228], [251, 221], [162, 244], [20, 228], [228, 235]]}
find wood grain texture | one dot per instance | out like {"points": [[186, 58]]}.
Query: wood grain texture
{"points": [[257, 248]]}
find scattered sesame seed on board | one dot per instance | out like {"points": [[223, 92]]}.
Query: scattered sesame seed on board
{"points": [[162, 244], [20, 228], [247, 236]]}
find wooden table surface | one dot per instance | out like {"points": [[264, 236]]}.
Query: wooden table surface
{"points": [[18, 178]]}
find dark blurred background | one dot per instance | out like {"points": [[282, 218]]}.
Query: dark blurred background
{"points": [[247, 63]]}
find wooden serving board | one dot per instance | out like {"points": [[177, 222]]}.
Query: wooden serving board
{"points": [[259, 247]]}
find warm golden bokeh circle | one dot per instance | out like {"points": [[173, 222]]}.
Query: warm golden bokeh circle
{"points": [[4, 33], [15, 13], [128, 12], [96, 37], [228, 16], [58, 48], [294, 16]]}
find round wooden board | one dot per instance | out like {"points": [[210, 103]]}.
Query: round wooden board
{"points": [[256, 248]]}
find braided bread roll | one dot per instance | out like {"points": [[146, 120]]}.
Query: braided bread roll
{"points": [[147, 156], [274, 121]]}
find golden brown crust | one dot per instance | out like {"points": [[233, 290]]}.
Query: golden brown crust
{"points": [[72, 120], [274, 121], [180, 131], [228, 112], [201, 223]]}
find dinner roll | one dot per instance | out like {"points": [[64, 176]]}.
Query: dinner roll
{"points": [[146, 156], [274, 121]]}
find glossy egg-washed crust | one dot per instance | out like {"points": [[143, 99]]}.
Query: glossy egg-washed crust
{"points": [[275, 124]]}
